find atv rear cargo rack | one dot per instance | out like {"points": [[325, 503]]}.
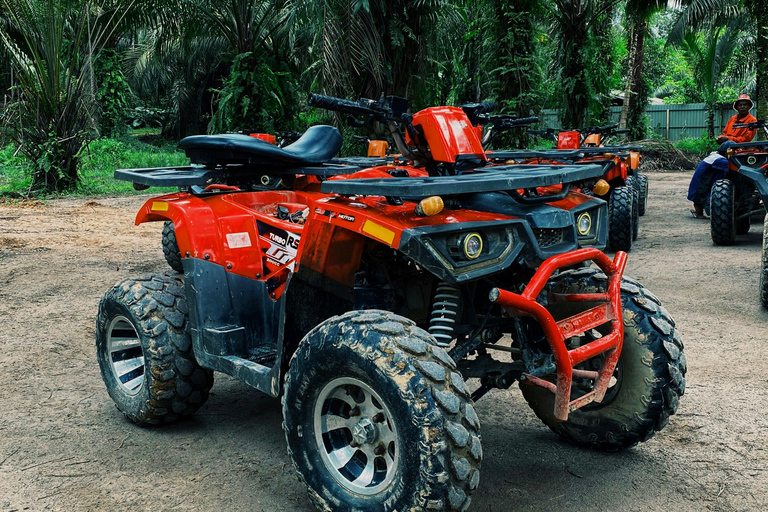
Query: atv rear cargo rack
{"points": [[191, 175], [488, 179]]}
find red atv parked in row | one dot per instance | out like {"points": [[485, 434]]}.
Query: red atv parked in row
{"points": [[370, 299], [620, 185]]}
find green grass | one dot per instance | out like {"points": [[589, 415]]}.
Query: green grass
{"points": [[98, 163], [700, 146]]}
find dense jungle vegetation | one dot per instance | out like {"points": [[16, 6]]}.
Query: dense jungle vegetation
{"points": [[74, 71]]}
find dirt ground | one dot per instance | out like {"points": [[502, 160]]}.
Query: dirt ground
{"points": [[64, 446]]}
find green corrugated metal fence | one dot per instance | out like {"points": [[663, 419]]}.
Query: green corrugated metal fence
{"points": [[672, 122]]}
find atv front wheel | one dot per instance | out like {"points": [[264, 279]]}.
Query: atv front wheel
{"points": [[145, 351], [764, 267], [378, 418], [649, 377], [171, 248], [722, 211], [620, 220]]}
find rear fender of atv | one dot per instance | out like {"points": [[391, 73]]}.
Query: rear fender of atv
{"points": [[193, 220]]}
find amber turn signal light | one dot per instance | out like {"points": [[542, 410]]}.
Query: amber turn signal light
{"points": [[601, 188], [429, 206]]}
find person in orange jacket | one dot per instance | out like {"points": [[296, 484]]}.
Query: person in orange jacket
{"points": [[742, 105]]}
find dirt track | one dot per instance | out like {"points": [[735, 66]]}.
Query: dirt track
{"points": [[64, 446]]}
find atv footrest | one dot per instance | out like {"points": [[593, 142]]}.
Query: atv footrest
{"points": [[558, 332]]}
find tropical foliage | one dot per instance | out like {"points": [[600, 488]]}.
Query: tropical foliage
{"points": [[75, 70]]}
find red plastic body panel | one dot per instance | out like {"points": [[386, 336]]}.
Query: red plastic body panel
{"points": [[241, 232], [569, 140], [608, 310], [449, 134], [266, 137]]}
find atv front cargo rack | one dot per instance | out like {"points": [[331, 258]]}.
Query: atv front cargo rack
{"points": [[562, 154], [487, 179]]}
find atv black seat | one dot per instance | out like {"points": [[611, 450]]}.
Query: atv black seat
{"points": [[318, 145]]}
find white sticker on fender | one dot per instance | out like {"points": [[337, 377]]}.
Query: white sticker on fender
{"points": [[238, 240]]}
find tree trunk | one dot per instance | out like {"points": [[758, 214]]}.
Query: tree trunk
{"points": [[711, 120], [761, 96], [635, 69]]}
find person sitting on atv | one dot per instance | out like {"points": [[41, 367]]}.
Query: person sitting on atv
{"points": [[711, 169], [742, 105]]}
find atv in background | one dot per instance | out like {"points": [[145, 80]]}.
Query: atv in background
{"points": [[738, 196], [741, 194], [366, 298], [620, 185]]}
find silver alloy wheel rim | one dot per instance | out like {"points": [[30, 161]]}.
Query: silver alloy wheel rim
{"points": [[359, 450], [125, 355]]}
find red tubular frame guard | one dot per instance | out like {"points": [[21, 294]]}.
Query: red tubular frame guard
{"points": [[557, 332]]}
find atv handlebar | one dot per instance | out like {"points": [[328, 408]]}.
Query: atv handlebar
{"points": [[358, 108], [477, 112], [752, 126], [385, 109]]}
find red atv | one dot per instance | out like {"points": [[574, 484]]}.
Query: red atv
{"points": [[370, 298], [620, 185]]}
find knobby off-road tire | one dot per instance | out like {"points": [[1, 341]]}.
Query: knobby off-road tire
{"points": [[145, 351], [620, 220], [372, 367], [764, 266], [171, 247], [649, 379], [642, 182], [632, 184], [722, 211]]}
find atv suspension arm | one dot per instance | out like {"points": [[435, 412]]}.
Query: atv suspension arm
{"points": [[558, 332]]}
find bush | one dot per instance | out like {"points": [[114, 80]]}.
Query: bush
{"points": [[98, 163], [701, 146]]}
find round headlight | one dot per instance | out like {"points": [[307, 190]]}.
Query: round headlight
{"points": [[751, 160], [584, 223], [472, 245]]}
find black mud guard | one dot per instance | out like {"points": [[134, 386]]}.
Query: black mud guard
{"points": [[236, 327]]}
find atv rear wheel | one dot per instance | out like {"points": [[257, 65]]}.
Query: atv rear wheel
{"points": [[722, 212], [620, 220], [764, 266], [171, 247], [635, 214], [642, 181], [649, 378], [145, 351], [632, 184], [378, 418]]}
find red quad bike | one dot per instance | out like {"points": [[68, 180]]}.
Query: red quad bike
{"points": [[742, 193], [368, 298], [620, 185]]}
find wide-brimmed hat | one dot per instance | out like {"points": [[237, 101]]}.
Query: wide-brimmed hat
{"points": [[743, 97]]}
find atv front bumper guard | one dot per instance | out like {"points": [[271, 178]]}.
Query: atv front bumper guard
{"points": [[558, 332]]}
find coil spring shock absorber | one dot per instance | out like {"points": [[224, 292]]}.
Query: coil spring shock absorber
{"points": [[444, 313]]}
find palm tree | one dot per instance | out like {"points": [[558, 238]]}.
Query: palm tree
{"points": [[638, 14], [51, 44], [573, 20], [696, 13], [367, 48], [708, 54]]}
